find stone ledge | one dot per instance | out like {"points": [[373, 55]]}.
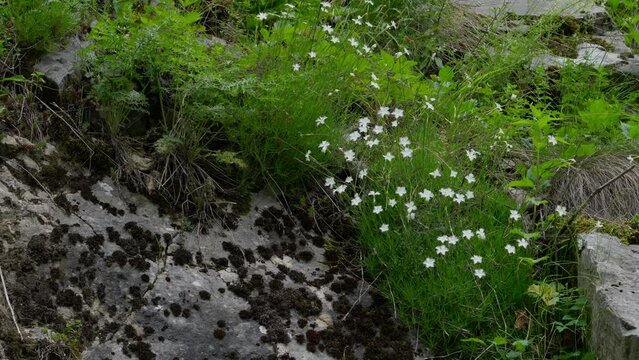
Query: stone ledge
{"points": [[609, 272]]}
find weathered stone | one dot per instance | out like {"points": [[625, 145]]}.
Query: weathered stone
{"points": [[609, 272], [579, 9], [59, 67], [145, 289]]}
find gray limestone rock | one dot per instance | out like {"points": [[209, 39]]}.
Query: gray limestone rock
{"points": [[609, 272], [146, 287], [59, 67]]}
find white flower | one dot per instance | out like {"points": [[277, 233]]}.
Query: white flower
{"points": [[598, 225], [410, 206], [312, 54], [363, 123], [375, 85], [480, 273], [334, 39], [429, 263], [307, 156], [378, 129], [499, 107], [348, 180], [383, 228], [630, 158], [327, 28], [403, 141], [453, 240], [441, 250], [470, 195], [429, 106], [388, 156], [470, 178], [353, 42], [481, 234], [447, 192], [321, 120], [377, 209], [561, 210], [401, 191], [356, 200], [349, 155], [476, 259], [340, 189], [522, 243], [552, 140], [510, 249], [436, 173], [426, 195], [398, 113], [513, 96], [392, 202], [329, 182], [296, 67], [363, 173], [394, 123], [407, 152], [383, 111], [324, 145], [262, 16], [459, 198], [354, 136], [374, 77], [468, 234], [453, 173], [514, 214], [372, 143], [325, 4], [373, 193], [442, 239], [472, 154]]}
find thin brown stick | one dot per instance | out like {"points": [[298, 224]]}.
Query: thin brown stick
{"points": [[6, 296]]}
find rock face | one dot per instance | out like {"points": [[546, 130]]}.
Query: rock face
{"points": [[575, 8], [591, 17], [143, 285], [609, 271], [59, 67]]}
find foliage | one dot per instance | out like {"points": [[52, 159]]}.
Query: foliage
{"points": [[40, 25], [626, 13]]}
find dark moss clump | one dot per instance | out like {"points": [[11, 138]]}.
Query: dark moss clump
{"points": [[182, 257], [219, 334], [68, 298], [63, 203], [205, 295]]}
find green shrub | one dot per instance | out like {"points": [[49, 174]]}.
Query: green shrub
{"points": [[40, 25]]}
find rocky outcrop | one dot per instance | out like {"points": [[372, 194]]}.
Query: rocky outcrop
{"points": [[61, 66], [609, 272], [76, 248], [587, 15]]}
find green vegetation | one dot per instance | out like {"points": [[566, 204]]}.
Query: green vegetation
{"points": [[413, 124], [39, 25]]}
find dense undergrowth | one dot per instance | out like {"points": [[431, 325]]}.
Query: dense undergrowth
{"points": [[415, 124]]}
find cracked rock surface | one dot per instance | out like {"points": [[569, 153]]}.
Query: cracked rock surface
{"points": [[78, 247], [609, 271]]}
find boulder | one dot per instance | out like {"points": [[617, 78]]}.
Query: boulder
{"points": [[61, 66], [609, 273]]}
